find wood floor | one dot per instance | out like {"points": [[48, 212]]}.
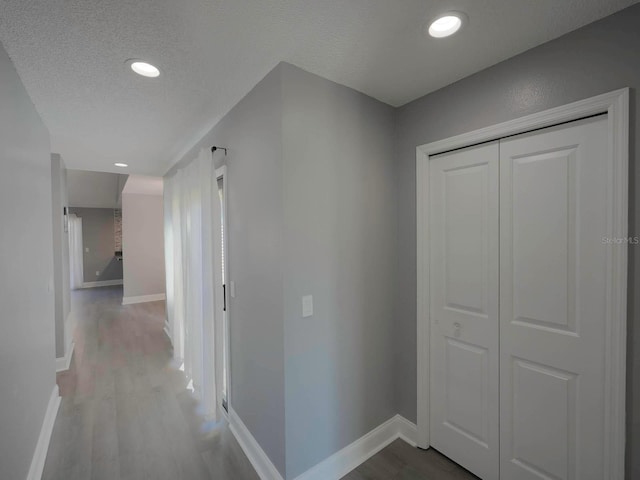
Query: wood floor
{"points": [[400, 461], [126, 413]]}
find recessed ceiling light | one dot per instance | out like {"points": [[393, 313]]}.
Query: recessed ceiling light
{"points": [[143, 68], [446, 24], [121, 165]]}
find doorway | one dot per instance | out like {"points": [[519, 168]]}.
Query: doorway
{"points": [[222, 282], [521, 302]]}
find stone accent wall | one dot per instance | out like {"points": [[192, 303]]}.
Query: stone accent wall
{"points": [[117, 228]]}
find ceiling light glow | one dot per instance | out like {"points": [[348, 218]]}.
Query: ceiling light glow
{"points": [[446, 25], [145, 69], [121, 165]]}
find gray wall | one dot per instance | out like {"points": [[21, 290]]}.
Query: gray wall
{"points": [[95, 189], [339, 245], [27, 343], [98, 237], [311, 199], [60, 255], [143, 244], [598, 58], [252, 131]]}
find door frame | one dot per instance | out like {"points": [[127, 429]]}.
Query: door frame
{"points": [[221, 172], [616, 105]]}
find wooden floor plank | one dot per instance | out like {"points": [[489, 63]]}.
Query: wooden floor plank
{"points": [[122, 414], [401, 461], [126, 414]]}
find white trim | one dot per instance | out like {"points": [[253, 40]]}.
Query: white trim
{"points": [[616, 318], [167, 331], [350, 457], [221, 172], [423, 322], [554, 116], [40, 453], [69, 328], [144, 298], [260, 461], [616, 105], [63, 363], [337, 465], [225, 415], [407, 430], [103, 283]]}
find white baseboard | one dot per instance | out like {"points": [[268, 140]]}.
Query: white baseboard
{"points": [[407, 430], [168, 333], [103, 283], [144, 298], [177, 363], [261, 463], [337, 465], [40, 454], [342, 462], [64, 363]]}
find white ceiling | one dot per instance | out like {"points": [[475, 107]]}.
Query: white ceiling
{"points": [[94, 189], [143, 185], [71, 57]]}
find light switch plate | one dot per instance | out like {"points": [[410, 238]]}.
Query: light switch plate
{"points": [[233, 289], [307, 306]]}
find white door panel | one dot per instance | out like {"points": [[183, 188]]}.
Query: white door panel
{"points": [[464, 307], [552, 302]]}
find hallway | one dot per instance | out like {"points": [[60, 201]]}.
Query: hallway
{"points": [[125, 412]]}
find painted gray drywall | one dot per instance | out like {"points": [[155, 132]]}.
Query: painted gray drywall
{"points": [[98, 236], [122, 181], [27, 343], [252, 131], [595, 59], [60, 254], [340, 246], [311, 199], [143, 245], [95, 189]]}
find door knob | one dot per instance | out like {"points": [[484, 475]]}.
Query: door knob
{"points": [[456, 329]]}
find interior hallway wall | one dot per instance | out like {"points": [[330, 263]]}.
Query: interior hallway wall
{"points": [[98, 235], [60, 201], [252, 131], [27, 343], [143, 245], [340, 246], [595, 59], [311, 202]]}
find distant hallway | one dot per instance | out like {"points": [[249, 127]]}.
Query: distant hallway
{"points": [[125, 412]]}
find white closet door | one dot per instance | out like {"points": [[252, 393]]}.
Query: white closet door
{"points": [[553, 216], [463, 221]]}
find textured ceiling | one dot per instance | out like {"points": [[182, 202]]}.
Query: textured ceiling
{"points": [[71, 57]]}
